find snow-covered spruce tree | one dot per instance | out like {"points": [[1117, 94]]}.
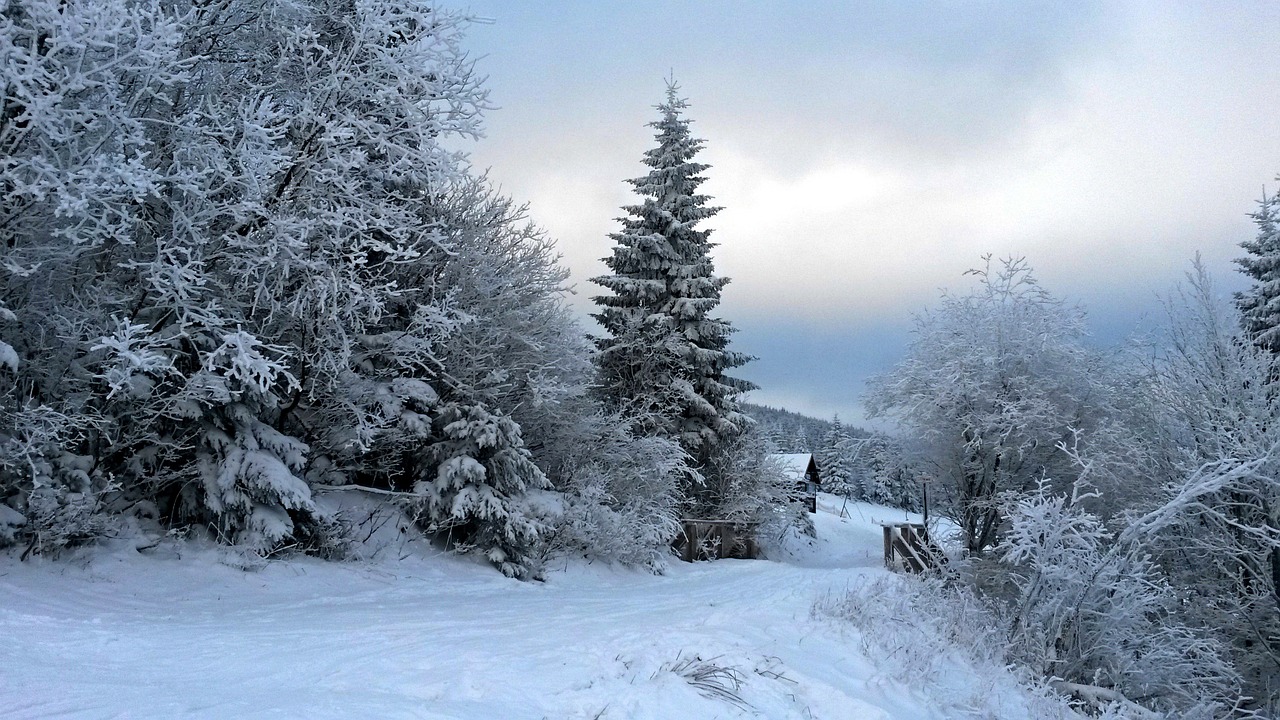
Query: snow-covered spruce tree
{"points": [[884, 472], [1260, 304], [836, 460], [663, 356], [992, 382]]}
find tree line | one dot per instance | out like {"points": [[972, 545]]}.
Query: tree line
{"points": [[245, 264]]}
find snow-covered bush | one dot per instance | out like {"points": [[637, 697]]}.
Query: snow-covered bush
{"points": [[756, 488], [49, 497], [623, 495], [330, 535], [249, 471], [921, 623], [1215, 475], [1093, 610], [473, 474], [80, 82]]}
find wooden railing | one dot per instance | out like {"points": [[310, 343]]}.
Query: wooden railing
{"points": [[907, 547]]}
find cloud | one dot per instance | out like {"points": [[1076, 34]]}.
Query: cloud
{"points": [[867, 155], [818, 369]]}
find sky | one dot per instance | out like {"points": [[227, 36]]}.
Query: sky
{"points": [[867, 154]]}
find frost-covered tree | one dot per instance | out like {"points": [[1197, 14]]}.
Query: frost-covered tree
{"points": [[236, 253], [1095, 612], [837, 459], [992, 382], [664, 355], [623, 493], [518, 346], [1214, 395], [788, 432], [885, 474], [81, 81], [478, 325], [1260, 304]]}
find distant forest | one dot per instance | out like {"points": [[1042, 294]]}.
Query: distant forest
{"points": [[791, 432]]}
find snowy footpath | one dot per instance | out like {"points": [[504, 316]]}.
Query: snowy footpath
{"points": [[123, 635]]}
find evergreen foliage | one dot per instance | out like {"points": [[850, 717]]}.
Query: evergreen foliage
{"points": [[240, 266], [664, 355], [887, 476], [1260, 304], [836, 460], [792, 432]]}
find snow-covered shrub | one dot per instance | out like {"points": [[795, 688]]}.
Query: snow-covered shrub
{"points": [[52, 498], [475, 474], [329, 535], [623, 494], [919, 624], [712, 678], [249, 471], [745, 480], [754, 487], [516, 345], [11, 523], [1213, 487], [56, 520], [1094, 610]]}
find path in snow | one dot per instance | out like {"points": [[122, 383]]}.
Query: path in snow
{"points": [[124, 635]]}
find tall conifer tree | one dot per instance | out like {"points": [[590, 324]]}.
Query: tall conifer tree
{"points": [[663, 356], [1260, 304]]}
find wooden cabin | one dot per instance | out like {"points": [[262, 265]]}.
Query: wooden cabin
{"points": [[802, 472]]}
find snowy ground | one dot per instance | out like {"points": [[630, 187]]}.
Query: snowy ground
{"points": [[119, 634]]}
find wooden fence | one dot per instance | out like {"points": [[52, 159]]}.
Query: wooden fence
{"points": [[711, 539], [907, 546]]}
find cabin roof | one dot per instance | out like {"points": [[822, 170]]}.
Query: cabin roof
{"points": [[795, 465]]}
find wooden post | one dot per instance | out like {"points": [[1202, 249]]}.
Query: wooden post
{"points": [[888, 547], [924, 488]]}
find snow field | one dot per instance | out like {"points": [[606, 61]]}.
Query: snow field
{"points": [[116, 634]]}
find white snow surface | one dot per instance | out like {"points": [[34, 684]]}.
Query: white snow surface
{"points": [[178, 632]]}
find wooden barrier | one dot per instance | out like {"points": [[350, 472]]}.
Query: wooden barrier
{"points": [[907, 546], [712, 539]]}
